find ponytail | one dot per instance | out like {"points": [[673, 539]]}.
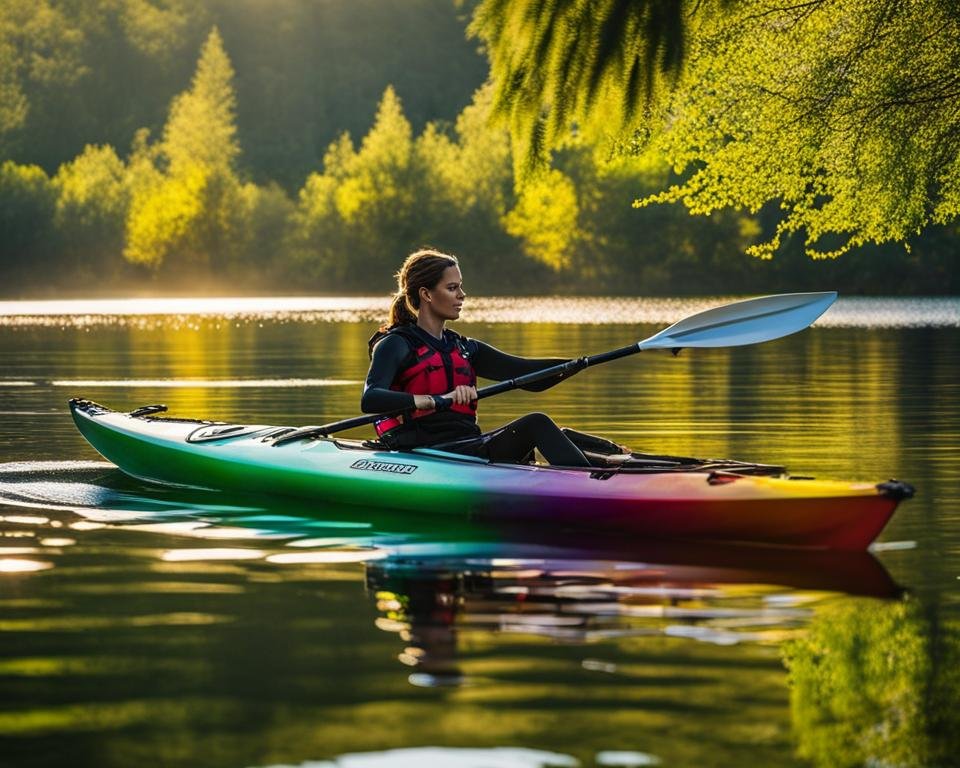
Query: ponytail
{"points": [[401, 311], [423, 269]]}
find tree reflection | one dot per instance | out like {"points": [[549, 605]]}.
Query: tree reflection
{"points": [[876, 683]]}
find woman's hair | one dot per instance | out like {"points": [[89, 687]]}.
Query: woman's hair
{"points": [[422, 269]]}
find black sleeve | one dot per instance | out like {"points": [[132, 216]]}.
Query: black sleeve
{"points": [[389, 356], [490, 363]]}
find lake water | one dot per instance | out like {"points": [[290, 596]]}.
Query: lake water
{"points": [[142, 625]]}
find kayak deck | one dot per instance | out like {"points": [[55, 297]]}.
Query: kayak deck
{"points": [[658, 496]]}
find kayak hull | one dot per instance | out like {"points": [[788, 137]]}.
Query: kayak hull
{"points": [[691, 505]]}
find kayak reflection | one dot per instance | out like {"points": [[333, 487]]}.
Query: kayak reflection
{"points": [[435, 581], [578, 590]]}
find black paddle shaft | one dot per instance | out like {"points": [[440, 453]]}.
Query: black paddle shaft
{"points": [[567, 368]]}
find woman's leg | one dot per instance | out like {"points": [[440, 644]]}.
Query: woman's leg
{"points": [[514, 441]]}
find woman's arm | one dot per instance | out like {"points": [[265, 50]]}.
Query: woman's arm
{"points": [[491, 363], [389, 356], [387, 361]]}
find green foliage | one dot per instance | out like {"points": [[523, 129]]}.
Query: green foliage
{"points": [[156, 30], [185, 204], [639, 251], [92, 199], [201, 129], [377, 179], [363, 203], [318, 72], [545, 219], [187, 201], [13, 102], [466, 190], [358, 217], [40, 52], [92, 194], [867, 682], [163, 218], [263, 233], [556, 62], [26, 216], [808, 105], [814, 108]]}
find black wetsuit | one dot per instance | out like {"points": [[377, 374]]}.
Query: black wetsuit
{"points": [[450, 430]]}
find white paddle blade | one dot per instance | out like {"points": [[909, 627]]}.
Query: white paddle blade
{"points": [[744, 322]]}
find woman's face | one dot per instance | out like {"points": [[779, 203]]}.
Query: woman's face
{"points": [[446, 298]]}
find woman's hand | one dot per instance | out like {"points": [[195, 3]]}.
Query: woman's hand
{"points": [[423, 402], [462, 395]]}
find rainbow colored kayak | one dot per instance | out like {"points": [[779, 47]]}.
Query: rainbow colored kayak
{"points": [[656, 496]]}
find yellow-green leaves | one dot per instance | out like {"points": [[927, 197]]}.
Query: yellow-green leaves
{"points": [[162, 218], [370, 205], [40, 50], [92, 187], [545, 219], [843, 112], [186, 198], [374, 178], [156, 30], [560, 63], [201, 129]]}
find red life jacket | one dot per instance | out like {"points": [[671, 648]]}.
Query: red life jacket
{"points": [[432, 371]]}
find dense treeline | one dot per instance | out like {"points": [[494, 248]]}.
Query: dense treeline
{"points": [[95, 72], [312, 145]]}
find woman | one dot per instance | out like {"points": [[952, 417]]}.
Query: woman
{"points": [[414, 360]]}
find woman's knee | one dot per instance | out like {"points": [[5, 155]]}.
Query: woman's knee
{"points": [[539, 420]]}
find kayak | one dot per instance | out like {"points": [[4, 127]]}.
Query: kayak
{"points": [[662, 497]]}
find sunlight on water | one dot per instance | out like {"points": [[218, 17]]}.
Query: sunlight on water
{"points": [[852, 312], [11, 565], [205, 383], [211, 553], [330, 556]]}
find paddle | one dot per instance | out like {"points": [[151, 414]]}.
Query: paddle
{"points": [[731, 325]]}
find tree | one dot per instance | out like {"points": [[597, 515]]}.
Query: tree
{"points": [[188, 203], [545, 219], [808, 106], [92, 203], [556, 62], [466, 192], [40, 55], [27, 243], [353, 218], [448, 189], [201, 129]]}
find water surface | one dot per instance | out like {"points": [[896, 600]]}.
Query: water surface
{"points": [[164, 627]]}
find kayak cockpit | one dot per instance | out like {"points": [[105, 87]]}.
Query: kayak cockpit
{"points": [[606, 457]]}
